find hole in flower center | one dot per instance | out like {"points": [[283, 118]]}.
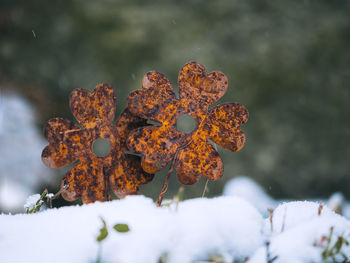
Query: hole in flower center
{"points": [[185, 123], [101, 147]]}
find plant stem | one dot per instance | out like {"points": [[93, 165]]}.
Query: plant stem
{"points": [[205, 188], [59, 192], [98, 260], [107, 186], [166, 182]]}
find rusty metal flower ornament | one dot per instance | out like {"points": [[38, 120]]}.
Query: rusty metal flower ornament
{"points": [[191, 154], [92, 177]]}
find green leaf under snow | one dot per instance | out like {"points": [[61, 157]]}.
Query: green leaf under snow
{"points": [[121, 228], [338, 245], [103, 232]]}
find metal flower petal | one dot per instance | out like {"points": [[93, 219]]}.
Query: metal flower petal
{"points": [[156, 101], [158, 146], [198, 159], [93, 109], [225, 121], [192, 153], [63, 149], [127, 175], [93, 176], [85, 180], [125, 124], [200, 88]]}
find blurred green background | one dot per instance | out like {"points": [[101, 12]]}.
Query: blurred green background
{"points": [[288, 62]]}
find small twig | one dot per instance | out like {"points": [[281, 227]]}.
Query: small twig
{"points": [[174, 161], [49, 199], [320, 208], [107, 185], [329, 239], [50, 202], [270, 210], [268, 255], [205, 188], [284, 220], [64, 187], [166, 181], [178, 198], [33, 33], [99, 252]]}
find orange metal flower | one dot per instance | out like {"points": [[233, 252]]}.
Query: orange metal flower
{"points": [[193, 155], [92, 177]]}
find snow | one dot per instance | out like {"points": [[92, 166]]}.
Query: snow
{"points": [[50, 195], [346, 210], [217, 226], [31, 201], [301, 238], [247, 189], [196, 229], [229, 228], [21, 169], [336, 202]]}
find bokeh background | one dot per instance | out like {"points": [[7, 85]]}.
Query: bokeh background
{"points": [[288, 62]]}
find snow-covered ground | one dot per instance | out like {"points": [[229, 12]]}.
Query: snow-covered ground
{"points": [[299, 234], [225, 228], [226, 225], [245, 188]]}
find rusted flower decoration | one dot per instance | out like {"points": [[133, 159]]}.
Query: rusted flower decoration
{"points": [[193, 155], [92, 177]]}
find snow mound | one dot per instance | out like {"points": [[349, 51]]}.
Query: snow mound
{"points": [[194, 230], [346, 210], [337, 202], [298, 233], [291, 214], [226, 228], [246, 188]]}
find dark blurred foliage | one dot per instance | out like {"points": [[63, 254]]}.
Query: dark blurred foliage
{"points": [[288, 62]]}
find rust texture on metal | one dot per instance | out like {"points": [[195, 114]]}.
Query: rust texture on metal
{"points": [[92, 177], [194, 154]]}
